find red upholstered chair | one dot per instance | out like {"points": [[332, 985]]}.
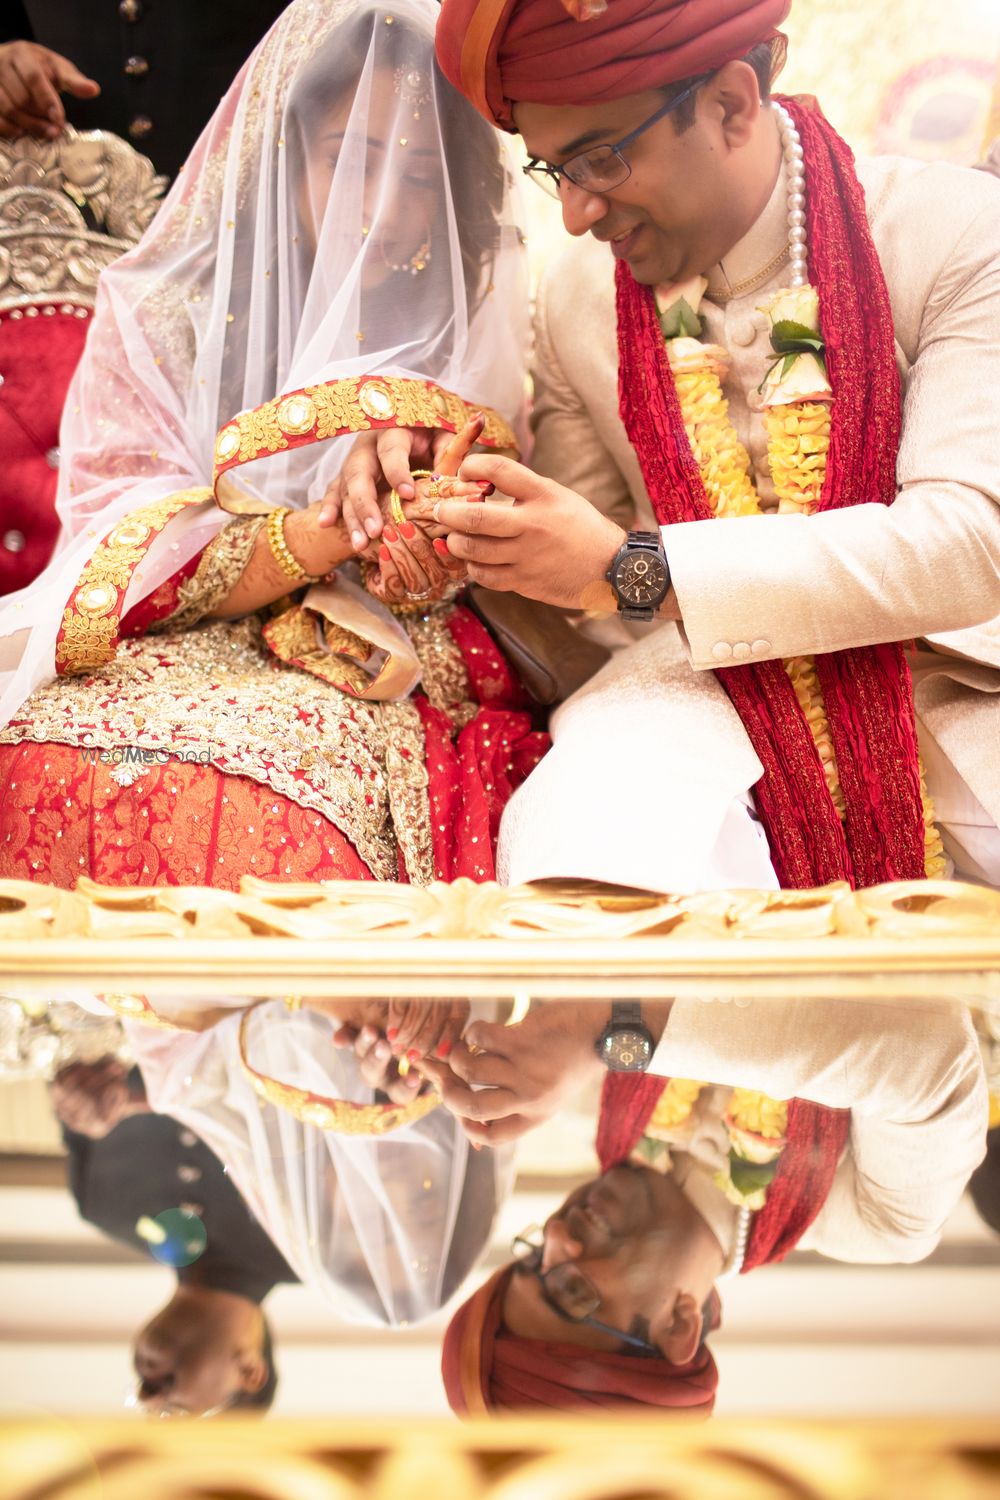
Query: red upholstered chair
{"points": [[67, 209]]}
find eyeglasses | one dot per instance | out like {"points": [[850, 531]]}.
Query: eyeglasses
{"points": [[569, 1293], [602, 167], [136, 1402]]}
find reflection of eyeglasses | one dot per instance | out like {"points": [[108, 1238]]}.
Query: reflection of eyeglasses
{"points": [[602, 167], [569, 1293], [136, 1402]]}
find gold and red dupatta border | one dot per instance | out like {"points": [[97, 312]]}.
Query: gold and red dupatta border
{"points": [[338, 407], [91, 620], [341, 1116]]}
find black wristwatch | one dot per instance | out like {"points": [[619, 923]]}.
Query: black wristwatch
{"points": [[626, 1043], [640, 576]]}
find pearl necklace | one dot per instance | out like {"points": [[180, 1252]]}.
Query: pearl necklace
{"points": [[734, 1263], [791, 147]]}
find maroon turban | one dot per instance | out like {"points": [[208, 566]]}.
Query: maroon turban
{"points": [[502, 52], [486, 1368]]}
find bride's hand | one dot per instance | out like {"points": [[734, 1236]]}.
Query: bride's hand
{"points": [[413, 560], [380, 461], [383, 459]]}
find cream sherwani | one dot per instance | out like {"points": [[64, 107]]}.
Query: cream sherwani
{"points": [[911, 1077], [926, 569]]}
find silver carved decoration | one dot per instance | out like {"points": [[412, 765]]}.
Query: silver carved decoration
{"points": [[68, 208], [40, 1039]]}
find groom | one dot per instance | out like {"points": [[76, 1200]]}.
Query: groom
{"points": [[782, 730]]}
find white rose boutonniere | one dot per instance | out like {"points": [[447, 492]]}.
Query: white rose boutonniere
{"points": [[798, 372]]}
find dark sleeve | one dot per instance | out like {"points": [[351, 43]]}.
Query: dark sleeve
{"points": [[78, 1148], [15, 27]]}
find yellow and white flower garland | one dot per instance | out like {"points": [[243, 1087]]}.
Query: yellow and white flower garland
{"points": [[795, 399], [757, 1127]]}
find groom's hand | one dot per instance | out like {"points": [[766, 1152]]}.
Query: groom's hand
{"points": [[551, 544], [501, 1081]]}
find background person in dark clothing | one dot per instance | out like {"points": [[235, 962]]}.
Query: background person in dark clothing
{"points": [[148, 1182], [151, 71]]}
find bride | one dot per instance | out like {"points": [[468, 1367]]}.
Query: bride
{"points": [[213, 677]]}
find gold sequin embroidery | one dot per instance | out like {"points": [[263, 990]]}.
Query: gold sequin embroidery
{"points": [[216, 688], [407, 782], [220, 568]]}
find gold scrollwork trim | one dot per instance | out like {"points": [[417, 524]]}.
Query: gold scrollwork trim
{"points": [[323, 411], [595, 1456], [375, 938], [88, 634], [342, 1116]]}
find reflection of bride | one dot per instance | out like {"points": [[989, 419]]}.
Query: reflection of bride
{"points": [[339, 254]]}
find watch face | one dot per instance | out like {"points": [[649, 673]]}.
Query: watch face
{"points": [[640, 578], [626, 1051]]}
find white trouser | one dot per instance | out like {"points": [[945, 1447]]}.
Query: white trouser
{"points": [[650, 779]]}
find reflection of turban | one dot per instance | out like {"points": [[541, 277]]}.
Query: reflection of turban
{"points": [[485, 1368], [501, 52]]}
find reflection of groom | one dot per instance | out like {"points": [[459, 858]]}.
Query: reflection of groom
{"points": [[611, 1302]]}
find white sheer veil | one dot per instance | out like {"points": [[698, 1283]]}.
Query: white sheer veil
{"points": [[345, 211], [387, 1228]]}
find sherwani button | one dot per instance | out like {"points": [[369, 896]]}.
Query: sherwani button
{"points": [[741, 650], [188, 1138], [188, 1172], [13, 540], [744, 334], [722, 650], [760, 648]]}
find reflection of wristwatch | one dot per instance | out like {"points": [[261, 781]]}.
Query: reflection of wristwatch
{"points": [[626, 1043], [639, 575]]}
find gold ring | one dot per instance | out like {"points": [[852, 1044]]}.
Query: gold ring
{"points": [[396, 508], [434, 488]]}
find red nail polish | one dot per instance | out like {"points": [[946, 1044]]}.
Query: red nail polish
{"points": [[392, 1032], [390, 533], [413, 1055], [443, 1048], [385, 554], [485, 486], [407, 530], [441, 547]]}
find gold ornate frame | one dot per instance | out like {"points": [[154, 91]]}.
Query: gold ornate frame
{"points": [[593, 1459], [550, 940]]}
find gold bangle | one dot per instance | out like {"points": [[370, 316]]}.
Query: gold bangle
{"points": [[286, 561]]}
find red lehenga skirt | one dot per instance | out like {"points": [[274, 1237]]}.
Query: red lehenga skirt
{"points": [[178, 817]]}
